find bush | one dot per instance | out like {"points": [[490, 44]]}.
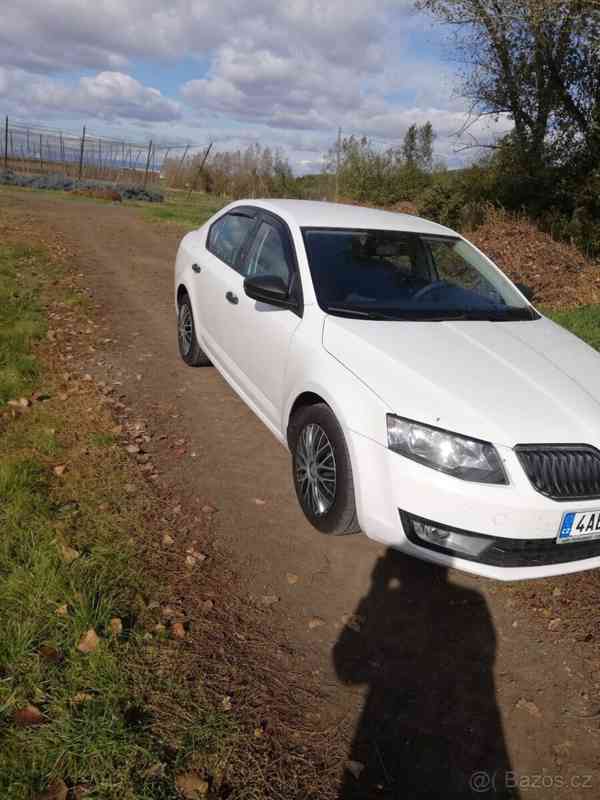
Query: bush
{"points": [[443, 203], [568, 210]]}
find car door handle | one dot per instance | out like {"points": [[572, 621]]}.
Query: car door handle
{"points": [[233, 298], [196, 267]]}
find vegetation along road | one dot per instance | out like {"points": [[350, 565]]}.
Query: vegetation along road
{"points": [[262, 660]]}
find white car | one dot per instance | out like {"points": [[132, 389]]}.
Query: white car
{"points": [[423, 399]]}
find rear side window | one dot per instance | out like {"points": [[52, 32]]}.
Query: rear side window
{"points": [[227, 237]]}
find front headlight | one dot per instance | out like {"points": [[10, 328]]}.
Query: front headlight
{"points": [[469, 459]]}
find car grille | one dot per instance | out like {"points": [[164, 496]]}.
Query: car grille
{"points": [[562, 472]]}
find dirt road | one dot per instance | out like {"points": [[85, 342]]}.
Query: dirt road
{"points": [[438, 674]]}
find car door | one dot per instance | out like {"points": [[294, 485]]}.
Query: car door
{"points": [[257, 335], [217, 278]]}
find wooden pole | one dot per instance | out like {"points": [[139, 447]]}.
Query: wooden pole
{"points": [[41, 155], [181, 163], [81, 152], [164, 160], [147, 163], [6, 143], [199, 171]]}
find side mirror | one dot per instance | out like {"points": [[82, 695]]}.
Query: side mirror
{"points": [[525, 290], [269, 289]]}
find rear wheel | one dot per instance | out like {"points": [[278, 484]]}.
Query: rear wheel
{"points": [[189, 349], [322, 471]]}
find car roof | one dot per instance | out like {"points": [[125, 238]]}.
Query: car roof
{"points": [[319, 214]]}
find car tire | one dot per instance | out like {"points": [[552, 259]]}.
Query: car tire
{"points": [[321, 470], [189, 349]]}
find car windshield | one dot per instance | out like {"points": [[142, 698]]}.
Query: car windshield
{"points": [[381, 274]]}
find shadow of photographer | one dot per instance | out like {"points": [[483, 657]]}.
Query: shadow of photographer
{"points": [[430, 726]]}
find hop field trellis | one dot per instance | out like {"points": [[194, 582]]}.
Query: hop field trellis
{"points": [[57, 158], [38, 149]]}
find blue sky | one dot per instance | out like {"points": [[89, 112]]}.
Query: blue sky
{"points": [[285, 74]]}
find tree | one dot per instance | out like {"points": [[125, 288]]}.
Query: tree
{"points": [[537, 62], [417, 147], [370, 174], [410, 146], [282, 173], [425, 137]]}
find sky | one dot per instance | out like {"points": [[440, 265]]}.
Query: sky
{"points": [[284, 73]]}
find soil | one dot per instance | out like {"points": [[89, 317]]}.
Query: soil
{"points": [[428, 675]]}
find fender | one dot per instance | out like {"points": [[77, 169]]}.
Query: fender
{"points": [[352, 403], [311, 368]]}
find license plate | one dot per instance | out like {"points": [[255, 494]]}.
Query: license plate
{"points": [[578, 525]]}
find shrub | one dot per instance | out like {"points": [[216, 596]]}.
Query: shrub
{"points": [[443, 203]]}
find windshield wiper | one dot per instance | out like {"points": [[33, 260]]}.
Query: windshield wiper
{"points": [[356, 312], [400, 316], [480, 315], [497, 315]]}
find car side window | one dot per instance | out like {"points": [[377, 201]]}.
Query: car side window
{"points": [[268, 254], [228, 235]]}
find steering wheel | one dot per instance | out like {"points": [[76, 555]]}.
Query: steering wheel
{"points": [[426, 289]]}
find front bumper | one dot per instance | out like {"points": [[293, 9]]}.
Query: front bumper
{"points": [[390, 489]]}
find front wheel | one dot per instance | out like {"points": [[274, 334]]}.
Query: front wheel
{"points": [[322, 471], [189, 349]]}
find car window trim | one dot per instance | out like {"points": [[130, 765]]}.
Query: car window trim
{"points": [[295, 285], [249, 249]]}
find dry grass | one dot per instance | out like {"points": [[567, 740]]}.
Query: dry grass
{"points": [[559, 274]]}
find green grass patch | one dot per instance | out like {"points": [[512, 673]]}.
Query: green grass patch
{"points": [[177, 208], [583, 322], [124, 719], [21, 322], [101, 439]]}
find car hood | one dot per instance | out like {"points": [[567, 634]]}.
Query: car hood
{"points": [[507, 382]]}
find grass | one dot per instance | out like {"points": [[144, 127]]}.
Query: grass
{"points": [[108, 720], [583, 322], [178, 209], [21, 322]]}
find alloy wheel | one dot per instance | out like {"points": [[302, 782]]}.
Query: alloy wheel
{"points": [[185, 328], [315, 471]]}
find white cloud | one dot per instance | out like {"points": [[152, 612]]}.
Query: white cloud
{"points": [[107, 95], [65, 34], [291, 81]]}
